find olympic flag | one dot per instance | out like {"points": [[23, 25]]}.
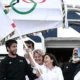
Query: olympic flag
{"points": [[31, 16]]}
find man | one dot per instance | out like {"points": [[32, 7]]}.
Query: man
{"points": [[68, 68], [14, 67], [77, 70], [75, 57], [30, 44]]}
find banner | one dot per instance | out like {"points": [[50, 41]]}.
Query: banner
{"points": [[46, 14]]}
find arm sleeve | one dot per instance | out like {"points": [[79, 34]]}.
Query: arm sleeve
{"points": [[29, 71], [60, 75], [2, 70]]}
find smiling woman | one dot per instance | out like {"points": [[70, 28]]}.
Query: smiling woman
{"points": [[50, 69], [38, 56], [50, 61]]}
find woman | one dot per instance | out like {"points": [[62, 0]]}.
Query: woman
{"points": [[50, 69], [38, 56]]}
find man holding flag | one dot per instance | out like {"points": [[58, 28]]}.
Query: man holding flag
{"points": [[14, 67]]}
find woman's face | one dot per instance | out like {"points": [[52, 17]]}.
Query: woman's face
{"points": [[38, 58], [47, 61]]}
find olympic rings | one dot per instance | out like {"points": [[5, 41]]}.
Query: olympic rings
{"points": [[26, 12], [12, 3]]}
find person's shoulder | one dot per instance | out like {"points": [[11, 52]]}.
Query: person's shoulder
{"points": [[65, 64], [78, 67], [57, 68], [20, 57], [4, 60]]}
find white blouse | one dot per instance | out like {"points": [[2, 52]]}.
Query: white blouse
{"points": [[54, 74]]}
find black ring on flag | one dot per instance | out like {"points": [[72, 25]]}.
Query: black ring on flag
{"points": [[12, 4]]}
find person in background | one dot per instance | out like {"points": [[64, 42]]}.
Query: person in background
{"points": [[75, 57], [30, 44], [77, 70], [14, 67], [69, 68]]}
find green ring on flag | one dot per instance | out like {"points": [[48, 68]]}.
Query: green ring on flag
{"points": [[26, 12]]}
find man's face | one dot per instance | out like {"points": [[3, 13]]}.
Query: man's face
{"points": [[13, 49], [30, 46], [75, 52]]}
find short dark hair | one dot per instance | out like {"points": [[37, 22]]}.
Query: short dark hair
{"points": [[29, 42], [52, 57], [10, 42]]}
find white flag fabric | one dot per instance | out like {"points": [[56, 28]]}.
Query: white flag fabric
{"points": [[5, 25], [46, 15]]}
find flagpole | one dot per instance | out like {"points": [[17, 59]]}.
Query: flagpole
{"points": [[27, 48]]}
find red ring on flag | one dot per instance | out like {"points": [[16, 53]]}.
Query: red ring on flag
{"points": [[31, 2]]}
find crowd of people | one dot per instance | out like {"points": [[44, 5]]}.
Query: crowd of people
{"points": [[46, 67]]}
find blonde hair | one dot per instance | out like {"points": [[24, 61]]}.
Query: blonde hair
{"points": [[39, 51]]}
